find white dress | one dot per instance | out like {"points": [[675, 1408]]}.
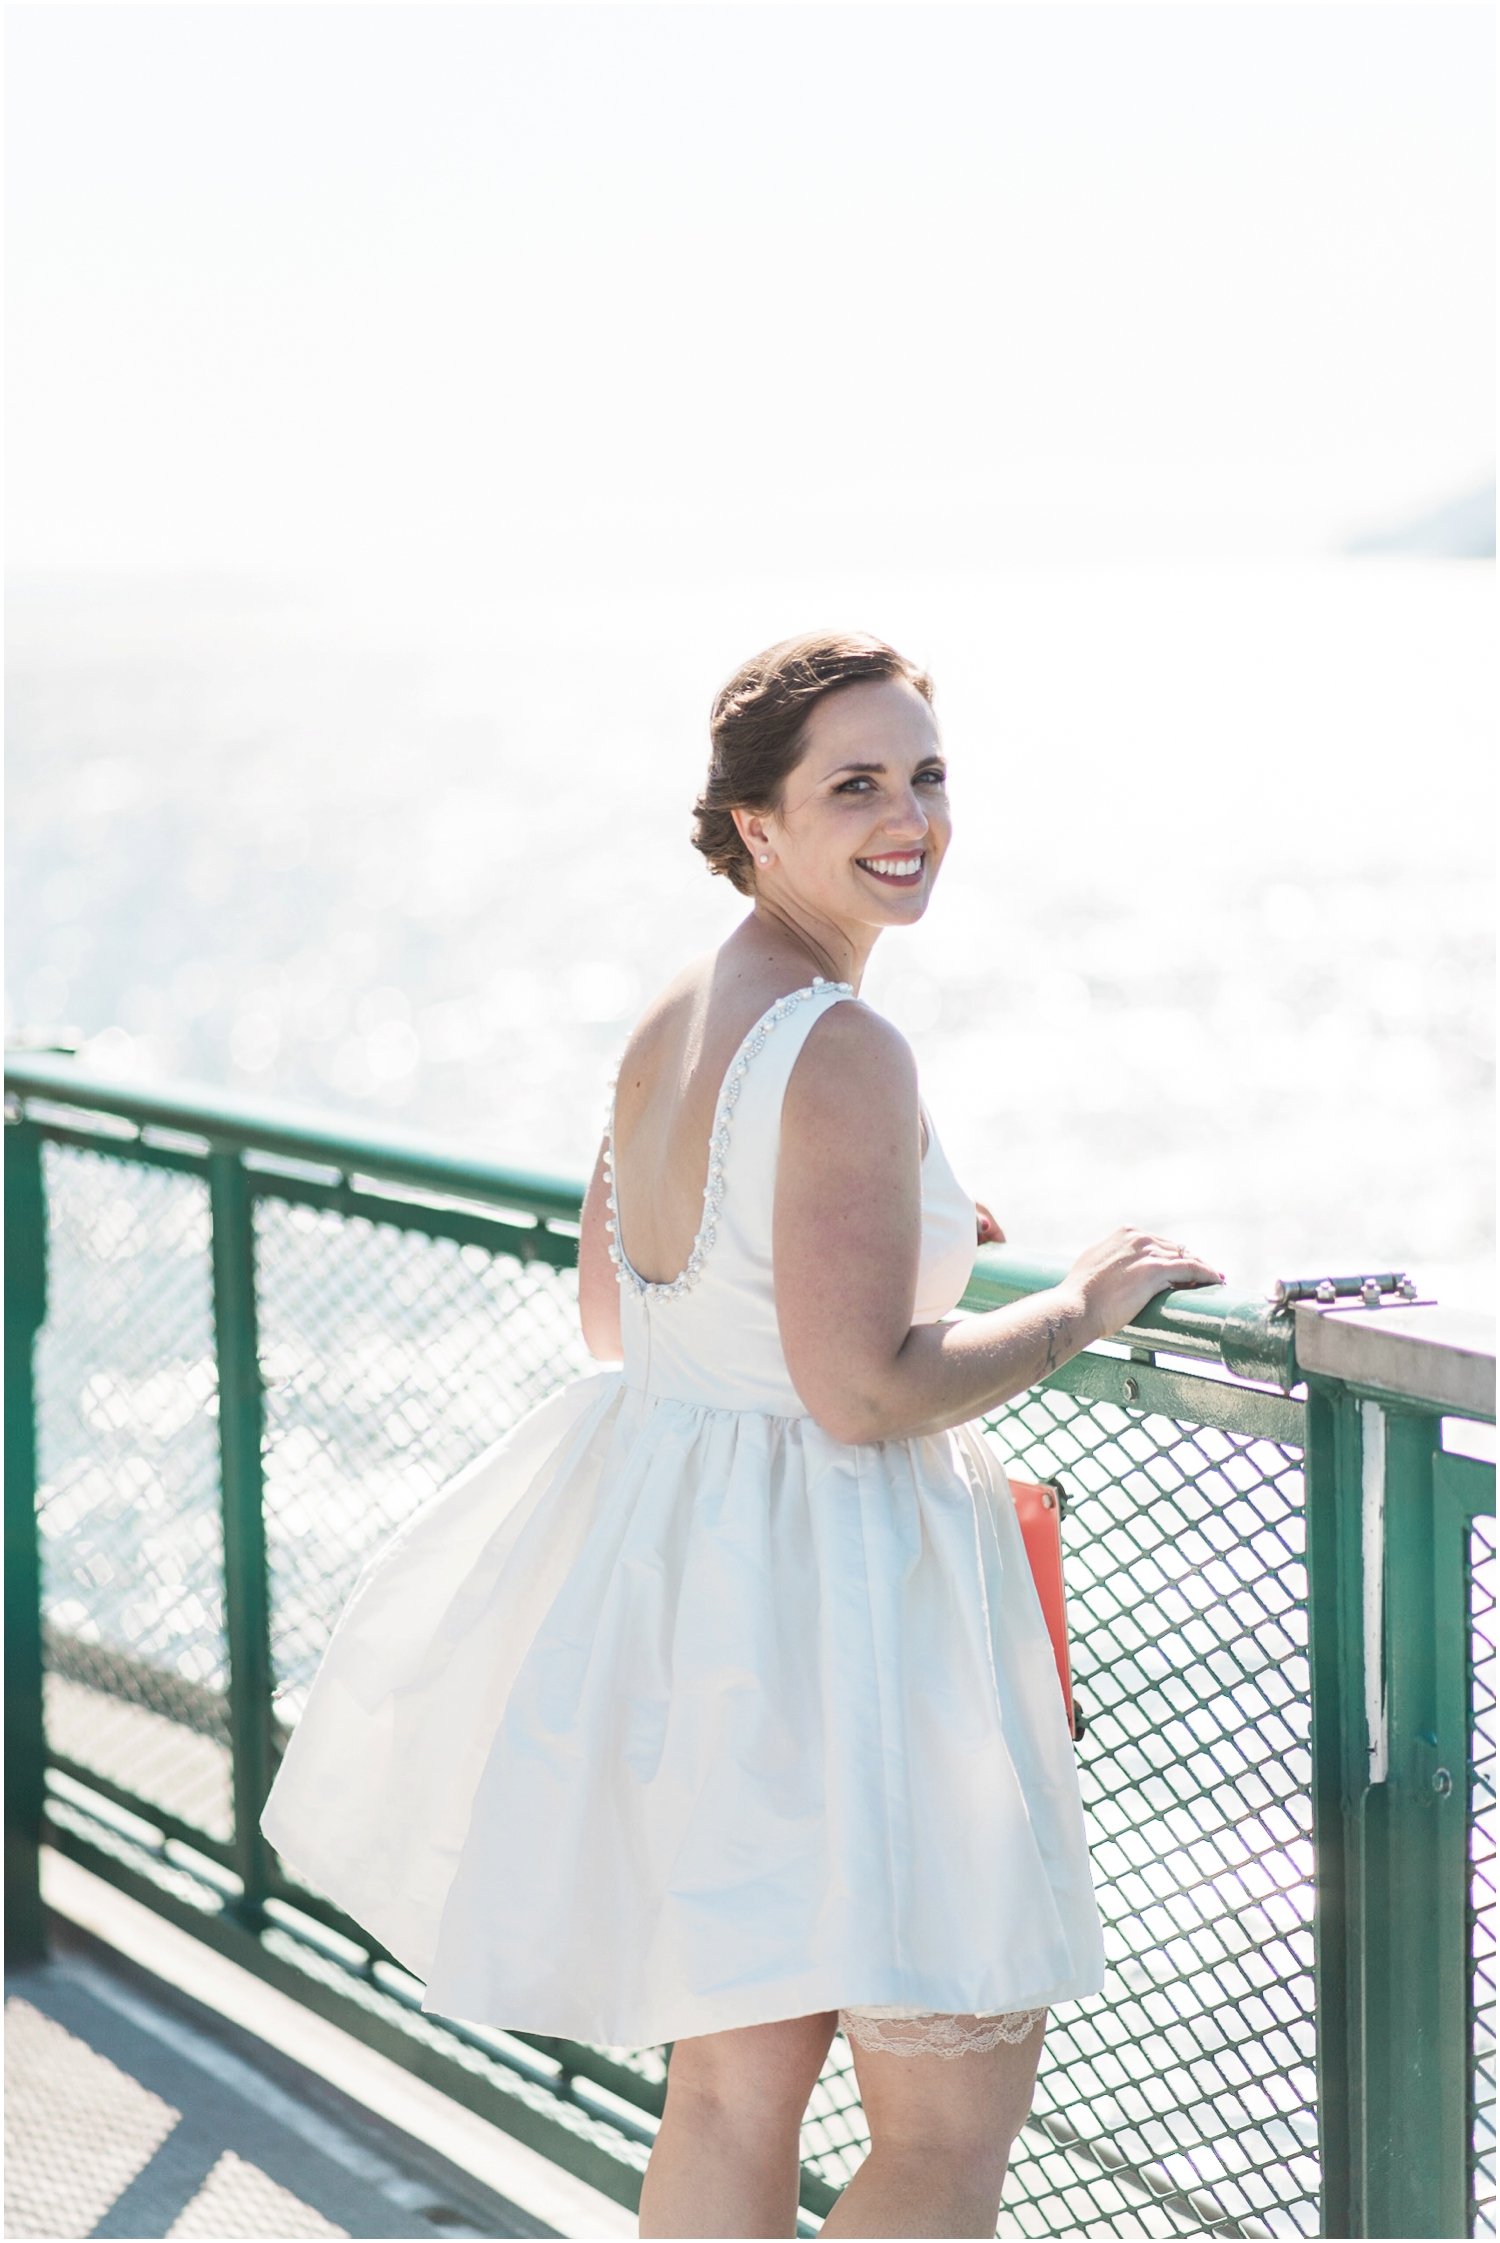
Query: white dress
{"points": [[673, 1714]]}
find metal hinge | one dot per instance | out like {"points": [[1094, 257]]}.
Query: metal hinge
{"points": [[1370, 1292]]}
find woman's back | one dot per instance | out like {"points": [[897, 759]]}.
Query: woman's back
{"points": [[707, 1330], [668, 1086]]}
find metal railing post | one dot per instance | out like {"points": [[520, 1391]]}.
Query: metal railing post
{"points": [[246, 1587], [25, 1728], [1340, 1777], [1388, 1634], [1464, 1490], [1416, 1851]]}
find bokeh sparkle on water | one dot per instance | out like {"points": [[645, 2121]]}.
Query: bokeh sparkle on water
{"points": [[1211, 951]]}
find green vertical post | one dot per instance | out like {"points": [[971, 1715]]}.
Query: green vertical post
{"points": [[1463, 1489], [25, 1728], [1340, 1778], [246, 1587], [1387, 1629], [1416, 1861]]}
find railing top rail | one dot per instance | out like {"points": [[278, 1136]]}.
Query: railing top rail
{"points": [[292, 1133], [1211, 1322], [1250, 1336]]}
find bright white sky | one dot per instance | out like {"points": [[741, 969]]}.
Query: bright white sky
{"points": [[510, 287]]}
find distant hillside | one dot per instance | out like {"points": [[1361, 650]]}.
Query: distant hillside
{"points": [[1463, 530]]}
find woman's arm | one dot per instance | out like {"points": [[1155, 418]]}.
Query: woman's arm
{"points": [[598, 1287], [848, 1229]]}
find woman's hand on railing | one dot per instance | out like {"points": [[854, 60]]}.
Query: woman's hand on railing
{"points": [[1114, 1280]]}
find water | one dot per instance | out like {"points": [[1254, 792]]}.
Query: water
{"points": [[1211, 951]]}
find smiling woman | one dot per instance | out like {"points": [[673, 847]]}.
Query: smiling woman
{"points": [[758, 724], [716, 1705]]}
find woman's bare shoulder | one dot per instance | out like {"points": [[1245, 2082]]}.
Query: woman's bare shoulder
{"points": [[854, 1034], [854, 1062]]}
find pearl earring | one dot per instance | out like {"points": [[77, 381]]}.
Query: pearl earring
{"points": [[765, 860]]}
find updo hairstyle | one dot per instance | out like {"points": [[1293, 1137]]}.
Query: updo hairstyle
{"points": [[757, 727]]}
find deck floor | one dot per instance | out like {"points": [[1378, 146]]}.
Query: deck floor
{"points": [[133, 2110]]}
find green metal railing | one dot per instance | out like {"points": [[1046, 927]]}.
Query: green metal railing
{"points": [[242, 1344]]}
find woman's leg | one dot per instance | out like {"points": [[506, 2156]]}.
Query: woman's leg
{"points": [[725, 2161], [940, 2134]]}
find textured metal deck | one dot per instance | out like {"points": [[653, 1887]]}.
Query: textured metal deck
{"points": [[133, 2110]]}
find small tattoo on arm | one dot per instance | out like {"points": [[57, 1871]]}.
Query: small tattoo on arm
{"points": [[1054, 1326]]}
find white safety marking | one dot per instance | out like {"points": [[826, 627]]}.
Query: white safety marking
{"points": [[1372, 1540]]}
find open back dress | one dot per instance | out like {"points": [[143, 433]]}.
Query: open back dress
{"points": [[673, 1714]]}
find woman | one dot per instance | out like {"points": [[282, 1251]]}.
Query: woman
{"points": [[716, 1705]]}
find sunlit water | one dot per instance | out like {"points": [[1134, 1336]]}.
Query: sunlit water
{"points": [[1210, 952]]}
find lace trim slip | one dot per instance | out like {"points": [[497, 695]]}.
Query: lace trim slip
{"points": [[718, 1146], [922, 2032]]}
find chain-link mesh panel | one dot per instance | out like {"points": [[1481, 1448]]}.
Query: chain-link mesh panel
{"points": [[128, 1503], [1482, 1874], [1183, 2096], [392, 1360], [1181, 2099]]}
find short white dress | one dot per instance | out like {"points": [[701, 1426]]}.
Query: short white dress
{"points": [[674, 1714]]}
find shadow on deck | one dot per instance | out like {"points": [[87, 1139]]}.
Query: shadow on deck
{"points": [[135, 2110]]}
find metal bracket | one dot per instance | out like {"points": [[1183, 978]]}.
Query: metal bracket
{"points": [[1325, 1291]]}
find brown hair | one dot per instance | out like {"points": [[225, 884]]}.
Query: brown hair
{"points": [[757, 726]]}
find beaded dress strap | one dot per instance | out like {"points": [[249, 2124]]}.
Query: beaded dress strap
{"points": [[718, 1146]]}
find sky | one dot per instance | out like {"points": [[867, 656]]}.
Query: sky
{"points": [[501, 289]]}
